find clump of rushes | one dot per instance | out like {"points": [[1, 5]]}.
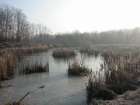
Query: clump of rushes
{"points": [[97, 89], [30, 50], [89, 52], [120, 81], [77, 70], [7, 64], [35, 68], [63, 53], [120, 75]]}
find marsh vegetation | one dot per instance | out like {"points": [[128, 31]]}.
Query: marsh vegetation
{"points": [[121, 74], [107, 62], [35, 68], [56, 80], [116, 73], [7, 64], [76, 69], [63, 53]]}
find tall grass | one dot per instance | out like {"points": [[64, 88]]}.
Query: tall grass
{"points": [[7, 64], [120, 75], [9, 57], [77, 70], [29, 50], [35, 68], [89, 52], [63, 53]]}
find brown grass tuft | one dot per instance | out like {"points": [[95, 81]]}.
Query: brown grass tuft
{"points": [[7, 64]]}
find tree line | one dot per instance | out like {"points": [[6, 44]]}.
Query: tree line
{"points": [[14, 25], [77, 39]]}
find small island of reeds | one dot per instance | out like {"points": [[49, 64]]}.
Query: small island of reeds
{"points": [[89, 52], [76, 69], [63, 53]]}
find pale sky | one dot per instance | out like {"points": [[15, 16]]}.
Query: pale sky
{"points": [[82, 15]]}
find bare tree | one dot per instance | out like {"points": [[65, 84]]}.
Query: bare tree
{"points": [[6, 22], [13, 24], [22, 26]]}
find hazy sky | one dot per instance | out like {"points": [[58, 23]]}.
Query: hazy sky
{"points": [[82, 15]]}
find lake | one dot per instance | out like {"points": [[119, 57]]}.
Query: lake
{"points": [[60, 89]]}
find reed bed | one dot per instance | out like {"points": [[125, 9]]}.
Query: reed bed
{"points": [[76, 69], [7, 64], [121, 72], [97, 89], [35, 68], [9, 57], [89, 52], [63, 53], [29, 50]]}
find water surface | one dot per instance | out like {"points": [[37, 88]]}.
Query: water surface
{"points": [[60, 89]]}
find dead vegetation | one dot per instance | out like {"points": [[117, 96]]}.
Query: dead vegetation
{"points": [[89, 52], [63, 53], [9, 57], [35, 68], [76, 69], [7, 64], [120, 75]]}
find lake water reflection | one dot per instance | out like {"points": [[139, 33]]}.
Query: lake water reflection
{"points": [[59, 88]]}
